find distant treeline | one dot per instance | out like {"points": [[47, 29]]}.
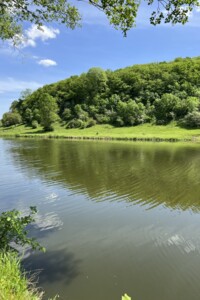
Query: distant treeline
{"points": [[157, 93]]}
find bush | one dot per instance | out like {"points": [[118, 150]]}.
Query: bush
{"points": [[191, 120], [91, 122], [119, 122], [80, 113], [129, 113], [166, 108], [102, 119], [75, 123], [10, 119], [13, 230], [67, 114], [34, 124], [49, 128], [83, 125]]}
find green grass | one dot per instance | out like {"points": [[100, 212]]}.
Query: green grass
{"points": [[141, 132], [13, 283]]}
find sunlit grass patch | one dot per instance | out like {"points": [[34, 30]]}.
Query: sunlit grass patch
{"points": [[169, 132], [13, 282]]}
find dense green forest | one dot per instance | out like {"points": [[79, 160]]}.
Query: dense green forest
{"points": [[155, 93]]}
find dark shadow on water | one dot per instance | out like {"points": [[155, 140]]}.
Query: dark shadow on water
{"points": [[53, 266]]}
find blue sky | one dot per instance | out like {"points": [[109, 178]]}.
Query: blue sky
{"points": [[57, 52]]}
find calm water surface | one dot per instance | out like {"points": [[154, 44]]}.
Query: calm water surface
{"points": [[114, 217]]}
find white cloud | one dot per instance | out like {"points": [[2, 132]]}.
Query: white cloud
{"points": [[47, 62], [34, 33], [29, 43], [13, 85], [44, 33]]}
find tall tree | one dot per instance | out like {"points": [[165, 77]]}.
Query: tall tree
{"points": [[96, 82], [48, 110]]}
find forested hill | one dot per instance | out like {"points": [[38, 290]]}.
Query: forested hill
{"points": [[156, 92]]}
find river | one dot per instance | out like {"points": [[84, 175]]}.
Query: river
{"points": [[115, 217]]}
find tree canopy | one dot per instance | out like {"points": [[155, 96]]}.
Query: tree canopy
{"points": [[121, 13], [154, 93]]}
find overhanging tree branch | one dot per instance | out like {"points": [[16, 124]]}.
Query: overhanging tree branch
{"points": [[120, 13]]}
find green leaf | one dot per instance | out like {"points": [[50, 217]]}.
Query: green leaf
{"points": [[13, 229], [126, 297]]}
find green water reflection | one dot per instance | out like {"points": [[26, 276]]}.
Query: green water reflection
{"points": [[153, 174]]}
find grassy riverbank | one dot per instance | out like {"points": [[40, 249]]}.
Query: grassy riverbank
{"points": [[147, 132], [13, 283]]}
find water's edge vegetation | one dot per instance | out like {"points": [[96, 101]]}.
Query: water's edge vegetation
{"points": [[13, 233], [14, 284]]}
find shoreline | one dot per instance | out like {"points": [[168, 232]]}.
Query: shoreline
{"points": [[141, 133], [106, 138]]}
